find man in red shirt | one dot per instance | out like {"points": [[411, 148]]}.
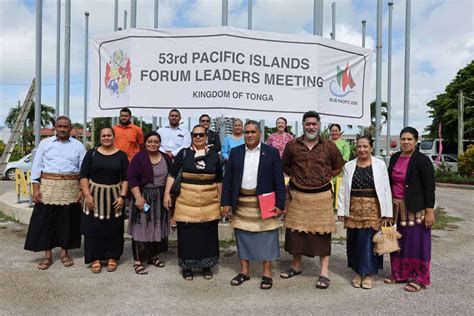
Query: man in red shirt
{"points": [[128, 136]]}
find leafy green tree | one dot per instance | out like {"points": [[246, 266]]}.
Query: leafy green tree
{"points": [[27, 138], [444, 109]]}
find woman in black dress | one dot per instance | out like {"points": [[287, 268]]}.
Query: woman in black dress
{"points": [[197, 207], [104, 185]]}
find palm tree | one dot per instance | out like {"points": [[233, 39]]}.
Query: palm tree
{"points": [[47, 117]]}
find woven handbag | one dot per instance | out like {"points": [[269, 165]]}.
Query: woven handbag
{"points": [[386, 239]]}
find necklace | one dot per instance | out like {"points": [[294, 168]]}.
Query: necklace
{"points": [[155, 160]]}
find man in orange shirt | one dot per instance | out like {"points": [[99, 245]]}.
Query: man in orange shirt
{"points": [[128, 136]]}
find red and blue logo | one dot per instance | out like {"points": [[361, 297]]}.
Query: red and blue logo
{"points": [[344, 83]]}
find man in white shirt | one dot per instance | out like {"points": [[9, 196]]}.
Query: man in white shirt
{"points": [[56, 217], [173, 136], [254, 169]]}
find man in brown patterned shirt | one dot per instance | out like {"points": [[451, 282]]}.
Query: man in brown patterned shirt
{"points": [[311, 162]]}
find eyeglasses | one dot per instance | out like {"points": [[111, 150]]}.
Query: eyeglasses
{"points": [[196, 135], [205, 121], [250, 132]]}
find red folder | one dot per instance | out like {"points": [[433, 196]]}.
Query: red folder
{"points": [[267, 203]]}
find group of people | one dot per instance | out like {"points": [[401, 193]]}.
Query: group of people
{"points": [[174, 176]]}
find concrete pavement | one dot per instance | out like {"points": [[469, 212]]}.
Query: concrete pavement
{"points": [[75, 290]]}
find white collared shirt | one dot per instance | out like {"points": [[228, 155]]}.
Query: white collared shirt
{"points": [[251, 161], [174, 139], [57, 156]]}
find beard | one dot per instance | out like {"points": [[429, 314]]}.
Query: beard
{"points": [[312, 136], [126, 123]]}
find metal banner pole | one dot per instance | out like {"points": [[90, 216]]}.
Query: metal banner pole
{"points": [[389, 77], [58, 55], [67, 55], [39, 35], [378, 79], [86, 51], [406, 90]]}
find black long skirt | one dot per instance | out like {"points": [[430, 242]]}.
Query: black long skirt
{"points": [[54, 226], [198, 245], [103, 238]]}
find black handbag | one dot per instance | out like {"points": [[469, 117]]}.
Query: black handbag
{"points": [[176, 187]]}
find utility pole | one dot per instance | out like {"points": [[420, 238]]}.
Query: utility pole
{"points": [[333, 31], [378, 78], [406, 90], [58, 54], [154, 120], [39, 41], [460, 123], [86, 51], [67, 55], [389, 77], [364, 26]]}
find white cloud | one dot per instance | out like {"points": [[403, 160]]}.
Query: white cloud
{"points": [[442, 39]]}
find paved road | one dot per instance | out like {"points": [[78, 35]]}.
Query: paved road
{"points": [[6, 185], [26, 290]]}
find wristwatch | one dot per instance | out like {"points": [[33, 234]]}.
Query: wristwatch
{"points": [[123, 196]]}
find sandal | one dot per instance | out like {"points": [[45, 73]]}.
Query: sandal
{"points": [[67, 261], [357, 281], [96, 267], [111, 265], [323, 282], [266, 283], [207, 273], [45, 263], [368, 282], [389, 281], [140, 269], [413, 287], [188, 274], [157, 262], [239, 279], [289, 273]]}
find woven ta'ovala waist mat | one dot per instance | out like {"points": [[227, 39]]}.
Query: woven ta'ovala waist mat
{"points": [[59, 189]]}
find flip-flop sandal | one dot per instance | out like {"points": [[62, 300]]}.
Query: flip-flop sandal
{"points": [[323, 282], [368, 283], [289, 273], [157, 262], [357, 281], [207, 273], [266, 283], [239, 279], [96, 267], [413, 287], [111, 265], [45, 263], [67, 261], [188, 274], [389, 281], [140, 269]]}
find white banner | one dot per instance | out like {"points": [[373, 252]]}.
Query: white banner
{"points": [[230, 72]]}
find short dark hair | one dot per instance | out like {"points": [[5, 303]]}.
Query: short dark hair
{"points": [[311, 114], [175, 110], [253, 122], [107, 127], [152, 133], [126, 110], [200, 126], [286, 122], [368, 137], [204, 115], [63, 117], [410, 130], [335, 124]]}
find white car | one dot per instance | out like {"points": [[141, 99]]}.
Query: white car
{"points": [[449, 160], [24, 164]]}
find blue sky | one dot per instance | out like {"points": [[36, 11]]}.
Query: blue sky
{"points": [[442, 40]]}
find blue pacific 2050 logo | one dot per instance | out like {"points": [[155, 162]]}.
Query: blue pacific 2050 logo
{"points": [[344, 84]]}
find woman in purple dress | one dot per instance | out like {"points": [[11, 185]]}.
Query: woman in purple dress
{"points": [[149, 221], [412, 180]]}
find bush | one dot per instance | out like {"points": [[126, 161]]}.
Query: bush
{"points": [[466, 162]]}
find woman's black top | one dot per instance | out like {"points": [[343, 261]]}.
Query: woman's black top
{"points": [[190, 164], [104, 169]]}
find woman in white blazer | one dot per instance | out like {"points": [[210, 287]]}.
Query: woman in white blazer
{"points": [[364, 199]]}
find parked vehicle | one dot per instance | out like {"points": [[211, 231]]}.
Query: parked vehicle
{"points": [[449, 160], [23, 164], [430, 147]]}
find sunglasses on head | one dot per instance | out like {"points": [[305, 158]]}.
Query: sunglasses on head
{"points": [[195, 135]]}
